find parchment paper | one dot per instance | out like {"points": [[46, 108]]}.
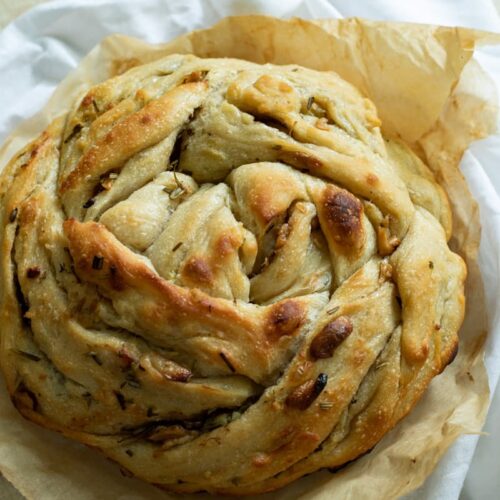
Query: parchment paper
{"points": [[429, 92]]}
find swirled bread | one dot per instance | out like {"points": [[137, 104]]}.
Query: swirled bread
{"points": [[221, 275]]}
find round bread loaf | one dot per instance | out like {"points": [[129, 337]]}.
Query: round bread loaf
{"points": [[223, 276]]}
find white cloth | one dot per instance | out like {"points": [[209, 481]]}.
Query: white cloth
{"points": [[38, 49]]}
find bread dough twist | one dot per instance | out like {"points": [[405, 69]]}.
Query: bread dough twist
{"points": [[223, 276]]}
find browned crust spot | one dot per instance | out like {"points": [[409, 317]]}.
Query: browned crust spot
{"points": [[284, 319], [195, 76], [87, 100], [300, 160], [260, 206], [197, 270], [303, 396], [372, 179], [264, 205], [343, 214], [330, 337], [29, 211], [226, 245]]}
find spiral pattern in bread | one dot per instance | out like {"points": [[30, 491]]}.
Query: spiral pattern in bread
{"points": [[222, 275]]}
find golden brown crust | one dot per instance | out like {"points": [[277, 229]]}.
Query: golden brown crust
{"points": [[222, 276], [342, 213]]}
